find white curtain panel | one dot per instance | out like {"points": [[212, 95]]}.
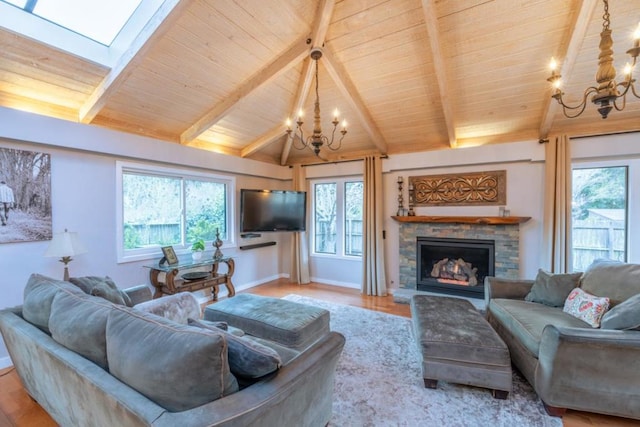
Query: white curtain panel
{"points": [[557, 205], [299, 244], [374, 278]]}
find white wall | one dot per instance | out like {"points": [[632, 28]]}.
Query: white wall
{"points": [[83, 177]]}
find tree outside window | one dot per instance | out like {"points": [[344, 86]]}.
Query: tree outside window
{"points": [[599, 215], [353, 202], [325, 209], [337, 214], [163, 209]]}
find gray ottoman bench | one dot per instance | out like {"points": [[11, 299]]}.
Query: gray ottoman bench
{"points": [[288, 323], [458, 345]]}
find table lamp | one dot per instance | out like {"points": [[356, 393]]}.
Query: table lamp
{"points": [[65, 245]]}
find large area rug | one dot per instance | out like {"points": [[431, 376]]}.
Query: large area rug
{"points": [[379, 381]]}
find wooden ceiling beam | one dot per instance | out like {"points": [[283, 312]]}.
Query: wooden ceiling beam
{"points": [[318, 34], [578, 32], [270, 137], [160, 23], [301, 96], [341, 78], [439, 66], [269, 73]]}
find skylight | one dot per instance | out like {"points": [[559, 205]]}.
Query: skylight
{"points": [[98, 20]]}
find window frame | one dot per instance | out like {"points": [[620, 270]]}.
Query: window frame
{"points": [[340, 183], [632, 246], [138, 254]]}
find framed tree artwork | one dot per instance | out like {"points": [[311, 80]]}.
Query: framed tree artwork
{"points": [[25, 196]]}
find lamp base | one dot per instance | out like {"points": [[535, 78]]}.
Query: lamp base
{"points": [[65, 260]]}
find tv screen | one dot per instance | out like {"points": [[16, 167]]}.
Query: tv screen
{"points": [[272, 210]]}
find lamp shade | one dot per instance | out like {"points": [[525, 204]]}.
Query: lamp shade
{"points": [[65, 244]]}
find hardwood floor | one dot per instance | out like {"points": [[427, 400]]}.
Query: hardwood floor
{"points": [[18, 409]]}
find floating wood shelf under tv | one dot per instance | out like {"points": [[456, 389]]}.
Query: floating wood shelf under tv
{"points": [[257, 245]]}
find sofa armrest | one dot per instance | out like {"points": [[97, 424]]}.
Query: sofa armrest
{"points": [[301, 393], [495, 287], [178, 307], [595, 370], [138, 294]]}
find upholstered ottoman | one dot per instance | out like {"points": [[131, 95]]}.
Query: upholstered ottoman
{"points": [[458, 345], [291, 324]]}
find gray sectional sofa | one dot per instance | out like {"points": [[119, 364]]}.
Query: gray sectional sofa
{"points": [[569, 362], [90, 361]]}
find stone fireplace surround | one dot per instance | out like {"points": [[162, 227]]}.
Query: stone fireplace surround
{"points": [[506, 235]]}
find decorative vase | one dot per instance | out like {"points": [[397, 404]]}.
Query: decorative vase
{"points": [[196, 255], [216, 244]]}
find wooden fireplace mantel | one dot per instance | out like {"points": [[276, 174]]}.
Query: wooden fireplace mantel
{"points": [[481, 220]]}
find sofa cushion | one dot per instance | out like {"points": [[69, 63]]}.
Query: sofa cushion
{"points": [[79, 322], [38, 297], [552, 289], [178, 307], [585, 306], [625, 315], [102, 287], [613, 279], [247, 358], [177, 366], [526, 320]]}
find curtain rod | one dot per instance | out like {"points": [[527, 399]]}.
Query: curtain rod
{"points": [[383, 156]]}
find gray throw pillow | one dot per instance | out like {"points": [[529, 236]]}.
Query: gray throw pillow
{"points": [[625, 315], [247, 358], [102, 287], [177, 366], [552, 289]]}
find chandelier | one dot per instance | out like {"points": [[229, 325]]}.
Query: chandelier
{"points": [[316, 140], [607, 92]]}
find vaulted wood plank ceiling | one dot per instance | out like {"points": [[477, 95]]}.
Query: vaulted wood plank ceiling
{"points": [[407, 75]]}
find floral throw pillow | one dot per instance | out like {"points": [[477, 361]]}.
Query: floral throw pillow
{"points": [[586, 307]]}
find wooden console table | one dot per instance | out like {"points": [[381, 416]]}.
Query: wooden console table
{"points": [[173, 283]]}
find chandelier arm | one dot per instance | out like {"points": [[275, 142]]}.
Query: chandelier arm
{"points": [[624, 101], [298, 139], [581, 106], [333, 135], [339, 144]]}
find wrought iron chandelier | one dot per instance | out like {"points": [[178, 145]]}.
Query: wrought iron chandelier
{"points": [[606, 93], [316, 140]]}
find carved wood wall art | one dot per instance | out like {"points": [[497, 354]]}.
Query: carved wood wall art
{"points": [[471, 189]]}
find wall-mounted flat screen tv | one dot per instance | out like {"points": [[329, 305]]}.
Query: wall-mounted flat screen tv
{"points": [[272, 210]]}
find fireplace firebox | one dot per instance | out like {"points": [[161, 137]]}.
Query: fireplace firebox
{"points": [[454, 266]]}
